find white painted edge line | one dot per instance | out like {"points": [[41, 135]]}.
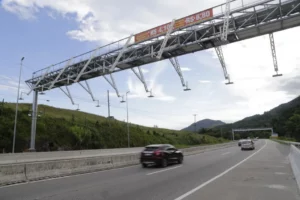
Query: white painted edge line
{"points": [[223, 154], [218, 176], [163, 170]]}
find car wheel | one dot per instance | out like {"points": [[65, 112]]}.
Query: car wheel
{"points": [[144, 165], [242, 149], [180, 159], [164, 162]]}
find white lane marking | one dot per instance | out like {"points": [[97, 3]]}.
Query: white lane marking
{"points": [[223, 154], [68, 176], [163, 170], [218, 176], [280, 173], [279, 187]]}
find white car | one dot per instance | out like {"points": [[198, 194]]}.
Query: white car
{"points": [[247, 144]]}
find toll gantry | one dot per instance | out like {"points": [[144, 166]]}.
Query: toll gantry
{"points": [[230, 22]]}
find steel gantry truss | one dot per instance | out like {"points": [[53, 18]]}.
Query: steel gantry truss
{"points": [[263, 17], [236, 24], [250, 129]]}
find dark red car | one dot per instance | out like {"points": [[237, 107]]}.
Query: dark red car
{"points": [[160, 154]]}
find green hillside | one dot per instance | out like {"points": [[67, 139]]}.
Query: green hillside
{"points": [[61, 129], [285, 119]]}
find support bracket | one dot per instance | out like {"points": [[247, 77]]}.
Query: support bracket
{"points": [[273, 49], [112, 83], [68, 94], [223, 64], [87, 89], [175, 63], [140, 76], [226, 21], [163, 45], [120, 54]]}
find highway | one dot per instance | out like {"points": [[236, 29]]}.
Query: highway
{"points": [[228, 173]]}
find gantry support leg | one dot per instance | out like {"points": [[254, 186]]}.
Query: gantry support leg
{"points": [[140, 76], [176, 65], [223, 64], [112, 83], [274, 55]]}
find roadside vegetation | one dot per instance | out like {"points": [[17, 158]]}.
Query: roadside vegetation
{"points": [[61, 129], [284, 119]]}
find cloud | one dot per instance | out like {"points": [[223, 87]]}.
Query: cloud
{"points": [[185, 69], [204, 81], [96, 21], [23, 9], [249, 62], [144, 71], [137, 89], [9, 84], [290, 86], [3, 77]]}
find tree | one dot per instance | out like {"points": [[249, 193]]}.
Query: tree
{"points": [[293, 126], [202, 131]]}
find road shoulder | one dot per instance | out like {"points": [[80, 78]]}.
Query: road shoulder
{"points": [[267, 175]]}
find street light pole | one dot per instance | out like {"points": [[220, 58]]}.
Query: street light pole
{"points": [[17, 105], [108, 104], [128, 134], [195, 115]]}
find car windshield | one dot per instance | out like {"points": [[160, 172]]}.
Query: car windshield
{"points": [[246, 142], [152, 148]]}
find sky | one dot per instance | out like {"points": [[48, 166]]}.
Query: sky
{"points": [[46, 32]]}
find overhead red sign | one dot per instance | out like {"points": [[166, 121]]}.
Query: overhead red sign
{"points": [[180, 23]]}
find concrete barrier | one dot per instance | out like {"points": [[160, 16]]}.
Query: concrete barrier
{"points": [[29, 171], [200, 149], [12, 174], [294, 158], [56, 155]]}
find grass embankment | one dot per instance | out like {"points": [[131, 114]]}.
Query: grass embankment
{"points": [[61, 129]]}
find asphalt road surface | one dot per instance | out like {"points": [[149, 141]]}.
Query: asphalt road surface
{"points": [[229, 173]]}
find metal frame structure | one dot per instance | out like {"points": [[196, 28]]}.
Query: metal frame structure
{"points": [[250, 129], [164, 43], [176, 65], [112, 83], [236, 24], [273, 49], [253, 20], [67, 93], [226, 21], [220, 55], [140, 76]]}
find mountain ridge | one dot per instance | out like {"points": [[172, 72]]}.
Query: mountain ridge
{"points": [[204, 123], [284, 119]]}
